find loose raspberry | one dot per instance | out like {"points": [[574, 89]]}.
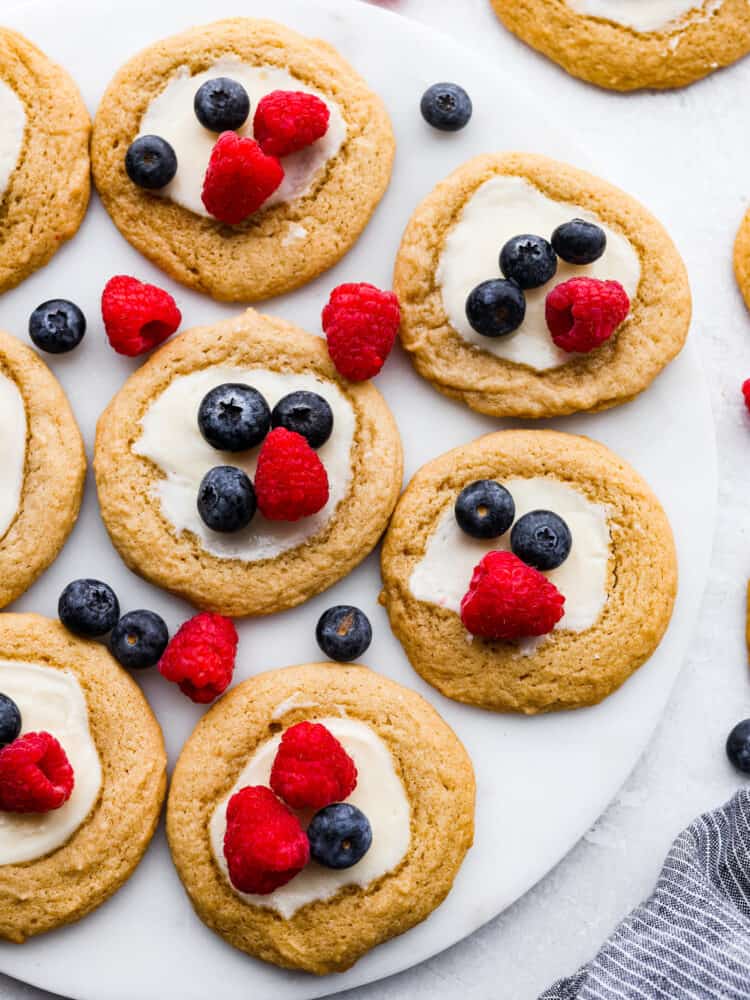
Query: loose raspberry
{"points": [[746, 392], [35, 774], [137, 316], [288, 120], [200, 657], [264, 844], [584, 312], [361, 324], [509, 600], [312, 769], [240, 177], [290, 480]]}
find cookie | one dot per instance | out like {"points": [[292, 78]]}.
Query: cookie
{"points": [[150, 458], [453, 242], [324, 920], [56, 867], [633, 44], [619, 581], [44, 466], [330, 189], [742, 258], [44, 158]]}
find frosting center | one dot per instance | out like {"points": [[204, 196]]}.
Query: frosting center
{"points": [[13, 117], [12, 450], [645, 15]]}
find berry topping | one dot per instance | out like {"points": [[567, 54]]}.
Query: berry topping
{"points": [[290, 480], [10, 720], [496, 307], [150, 162], [738, 746], [57, 326], [528, 260], [240, 177], [289, 120], [484, 509], [305, 413], [88, 608], [340, 835], [264, 844], [200, 657], [446, 106], [139, 639], [746, 392], [137, 316], [579, 242], [343, 632], [584, 312], [221, 104], [234, 417], [226, 499], [360, 323], [35, 774], [541, 539], [509, 600], [311, 768]]}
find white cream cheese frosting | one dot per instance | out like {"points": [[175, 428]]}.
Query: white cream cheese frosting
{"points": [[647, 15], [501, 208], [171, 115], [50, 700], [13, 117], [171, 439], [380, 795], [13, 432]]}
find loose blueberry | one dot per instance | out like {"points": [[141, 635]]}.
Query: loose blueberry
{"points": [[88, 608], [579, 242], [738, 746], [528, 260], [151, 162], [446, 106], [496, 307], [221, 105], [340, 835], [10, 720], [226, 499], [307, 413], [234, 417], [541, 539], [343, 632], [485, 509], [139, 639], [57, 326]]}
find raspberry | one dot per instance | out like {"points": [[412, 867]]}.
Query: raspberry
{"points": [[361, 324], [137, 316], [240, 177], [264, 844], [288, 120], [509, 600], [290, 480], [746, 392], [35, 774], [200, 657], [584, 312], [312, 769]]}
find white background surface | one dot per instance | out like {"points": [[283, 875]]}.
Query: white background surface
{"points": [[684, 155]]}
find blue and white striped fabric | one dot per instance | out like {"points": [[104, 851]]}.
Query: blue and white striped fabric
{"points": [[690, 940]]}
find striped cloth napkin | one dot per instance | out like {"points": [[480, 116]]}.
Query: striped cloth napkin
{"points": [[690, 940]]}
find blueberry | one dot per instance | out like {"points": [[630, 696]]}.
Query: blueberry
{"points": [[485, 509], [528, 260], [541, 539], [151, 162], [496, 307], [139, 639], [343, 632], [738, 746], [446, 106], [226, 499], [57, 326], [10, 720], [307, 413], [579, 242], [221, 105], [88, 608], [234, 417], [340, 835]]}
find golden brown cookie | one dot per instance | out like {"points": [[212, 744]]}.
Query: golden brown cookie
{"points": [[742, 258], [567, 668], [278, 248], [613, 373]]}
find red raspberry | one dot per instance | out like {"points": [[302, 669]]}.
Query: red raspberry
{"points": [[288, 120], [746, 392], [35, 774], [290, 480], [584, 312], [137, 316], [361, 324], [312, 769], [240, 177], [264, 844], [200, 657], [509, 600]]}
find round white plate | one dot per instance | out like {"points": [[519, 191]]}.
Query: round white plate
{"points": [[541, 782]]}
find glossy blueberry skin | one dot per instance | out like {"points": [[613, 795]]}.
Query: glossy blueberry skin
{"points": [[88, 608], [496, 308], [579, 242], [150, 162], [221, 105], [340, 835], [57, 326], [738, 746], [234, 417], [343, 633], [226, 499], [528, 260], [484, 509], [10, 720], [139, 639], [541, 539], [307, 413], [446, 107]]}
